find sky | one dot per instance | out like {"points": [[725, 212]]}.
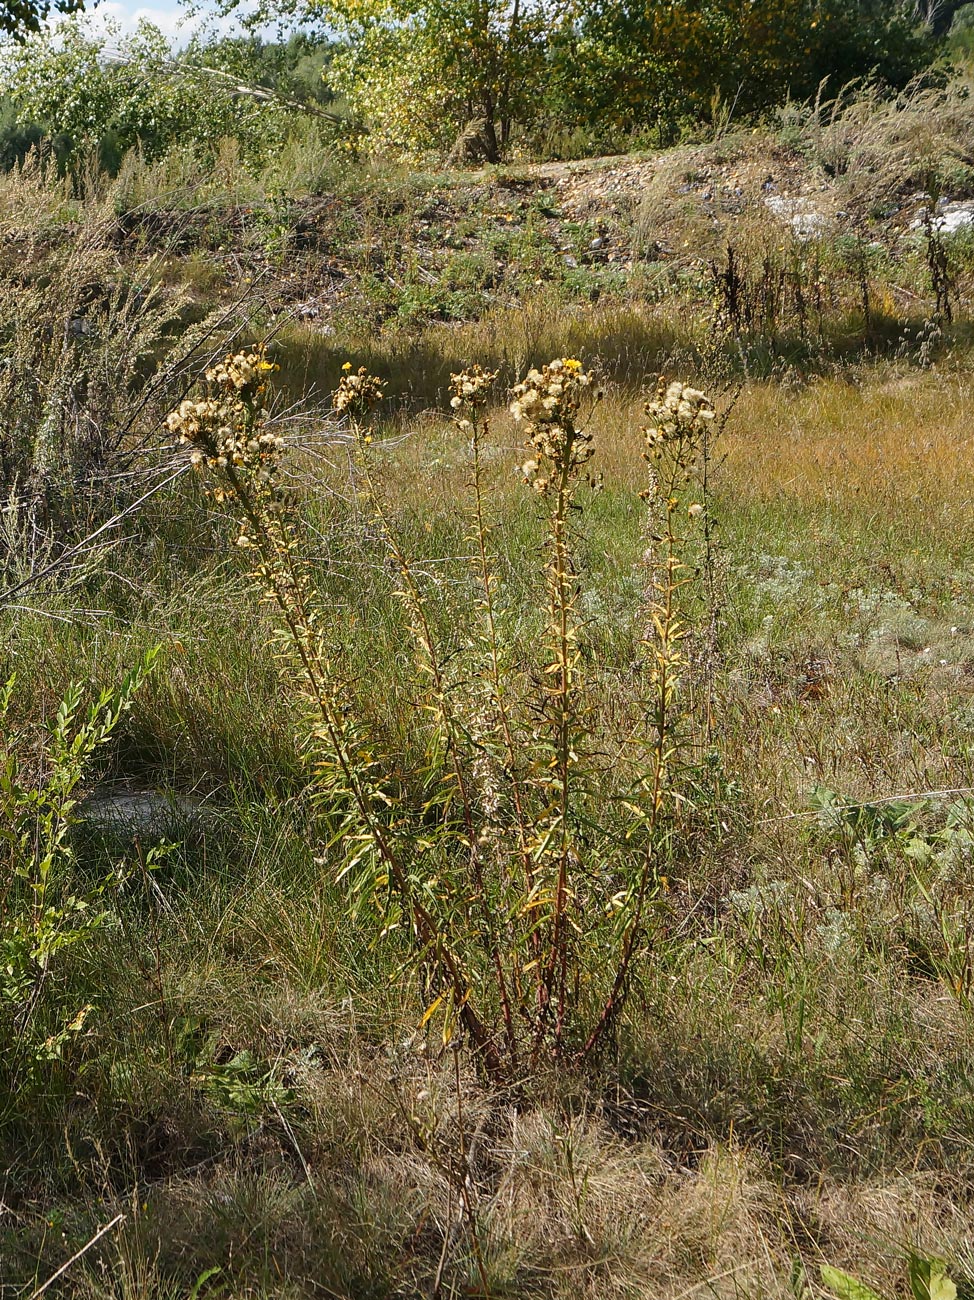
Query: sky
{"points": [[168, 15]]}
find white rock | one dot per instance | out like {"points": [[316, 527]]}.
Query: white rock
{"points": [[949, 219], [805, 220]]}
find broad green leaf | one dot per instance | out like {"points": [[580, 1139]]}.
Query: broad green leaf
{"points": [[846, 1287], [940, 1287], [929, 1280]]}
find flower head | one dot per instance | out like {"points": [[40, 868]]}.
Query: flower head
{"points": [[677, 414], [241, 372], [227, 426], [471, 387], [357, 393], [548, 402]]}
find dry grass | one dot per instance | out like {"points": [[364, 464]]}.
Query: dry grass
{"points": [[903, 442], [883, 147], [563, 1207]]}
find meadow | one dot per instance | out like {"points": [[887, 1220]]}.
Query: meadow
{"points": [[721, 696]]}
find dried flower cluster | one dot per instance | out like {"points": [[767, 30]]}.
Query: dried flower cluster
{"points": [[680, 417], [357, 393], [471, 386], [226, 427], [506, 902], [676, 413], [470, 389], [548, 401], [242, 372]]}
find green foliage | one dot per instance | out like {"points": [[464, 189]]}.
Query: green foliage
{"points": [[19, 17], [846, 1287], [119, 93], [631, 65], [929, 1280], [927, 1277], [420, 71], [17, 138], [43, 912], [294, 67], [960, 38]]}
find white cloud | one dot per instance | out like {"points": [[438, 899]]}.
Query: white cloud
{"points": [[171, 19]]}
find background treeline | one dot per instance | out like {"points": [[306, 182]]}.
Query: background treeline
{"points": [[478, 79]]}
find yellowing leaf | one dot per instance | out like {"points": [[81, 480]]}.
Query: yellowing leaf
{"points": [[846, 1287], [431, 1011]]}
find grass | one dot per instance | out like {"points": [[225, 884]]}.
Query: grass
{"points": [[791, 1084]]}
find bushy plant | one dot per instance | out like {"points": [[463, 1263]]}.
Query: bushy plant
{"points": [[519, 868]]}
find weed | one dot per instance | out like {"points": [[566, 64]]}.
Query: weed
{"points": [[42, 910]]}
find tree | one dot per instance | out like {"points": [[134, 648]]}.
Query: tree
{"points": [[18, 18], [635, 63], [420, 71], [132, 92]]}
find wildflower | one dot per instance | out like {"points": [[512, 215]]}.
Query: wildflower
{"points": [[241, 372], [357, 393], [470, 387], [548, 402], [678, 413], [227, 426], [695, 510]]}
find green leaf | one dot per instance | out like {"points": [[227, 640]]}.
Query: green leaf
{"points": [[202, 1280], [929, 1280], [940, 1286], [846, 1287]]}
